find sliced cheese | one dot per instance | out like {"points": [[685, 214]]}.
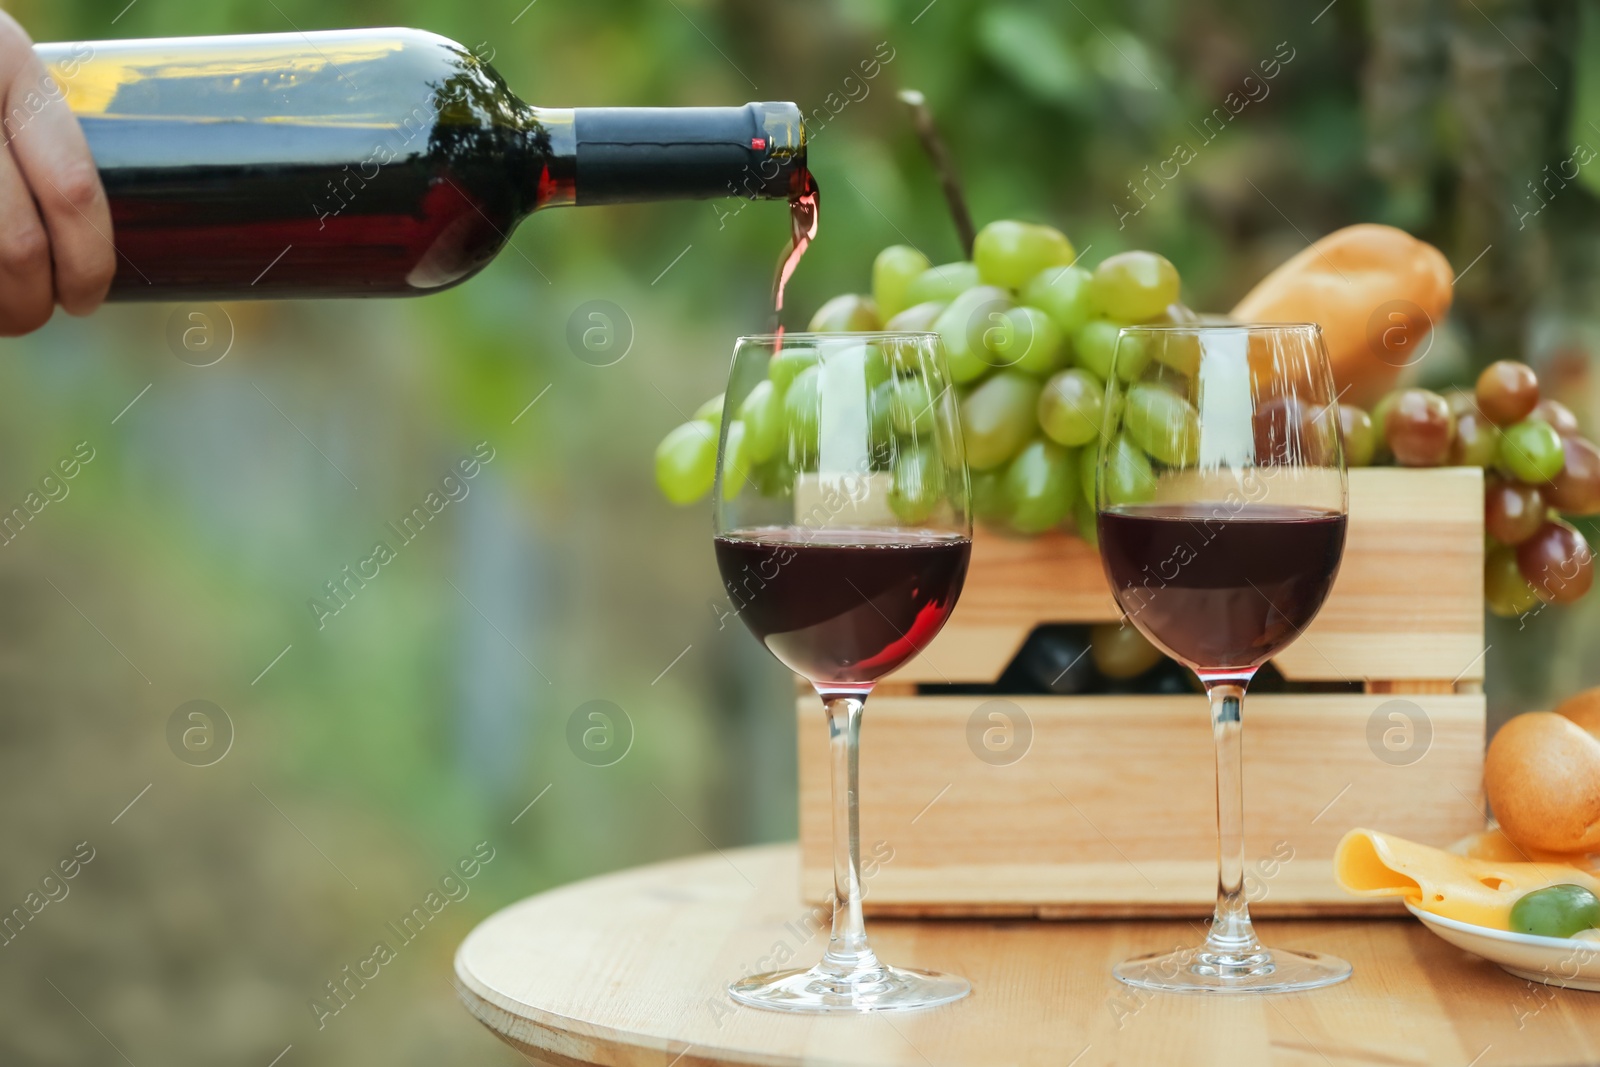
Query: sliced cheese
{"points": [[1473, 889]]}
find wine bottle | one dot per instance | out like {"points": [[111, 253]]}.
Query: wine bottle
{"points": [[387, 162]]}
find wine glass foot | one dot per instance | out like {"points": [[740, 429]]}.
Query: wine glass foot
{"points": [[1264, 970], [879, 989]]}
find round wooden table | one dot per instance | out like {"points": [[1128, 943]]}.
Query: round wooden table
{"points": [[629, 969]]}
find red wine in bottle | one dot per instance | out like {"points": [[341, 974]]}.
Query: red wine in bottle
{"points": [[386, 162]]}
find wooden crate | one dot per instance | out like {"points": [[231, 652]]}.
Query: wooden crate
{"points": [[1111, 810]]}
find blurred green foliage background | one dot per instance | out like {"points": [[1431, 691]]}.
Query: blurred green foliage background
{"points": [[371, 755]]}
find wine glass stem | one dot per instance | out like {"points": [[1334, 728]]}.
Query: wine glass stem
{"points": [[1231, 933], [848, 951]]}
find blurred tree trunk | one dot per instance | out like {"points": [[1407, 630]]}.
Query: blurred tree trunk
{"points": [[1402, 87], [1506, 61]]}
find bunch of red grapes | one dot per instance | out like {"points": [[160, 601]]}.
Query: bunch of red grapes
{"points": [[1539, 468]]}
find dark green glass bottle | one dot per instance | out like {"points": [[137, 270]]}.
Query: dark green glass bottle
{"points": [[386, 162]]}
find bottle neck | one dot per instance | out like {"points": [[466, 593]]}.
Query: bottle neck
{"points": [[618, 155]]}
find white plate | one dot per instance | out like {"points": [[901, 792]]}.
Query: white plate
{"points": [[1569, 962]]}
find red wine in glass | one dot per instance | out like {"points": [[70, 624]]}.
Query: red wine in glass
{"points": [[1221, 587], [843, 607], [1220, 502]]}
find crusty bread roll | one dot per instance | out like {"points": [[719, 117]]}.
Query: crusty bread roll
{"points": [[1542, 777], [1584, 709], [1376, 292]]}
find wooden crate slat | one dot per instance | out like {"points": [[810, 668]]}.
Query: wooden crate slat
{"points": [[1408, 603], [1112, 809]]}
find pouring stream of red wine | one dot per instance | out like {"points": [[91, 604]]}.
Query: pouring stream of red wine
{"points": [[803, 223]]}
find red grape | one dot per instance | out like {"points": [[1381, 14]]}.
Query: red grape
{"points": [[1557, 415], [1289, 431], [1576, 490], [1512, 511], [1557, 562], [1507, 391], [1419, 428]]}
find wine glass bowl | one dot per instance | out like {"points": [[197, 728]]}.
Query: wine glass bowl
{"points": [[1221, 509], [842, 534]]}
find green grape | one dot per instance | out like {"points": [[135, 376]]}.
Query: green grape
{"points": [[1083, 517], [1041, 485], [1129, 477], [1381, 452], [881, 443], [1476, 443], [686, 462], [942, 283], [800, 413], [918, 318], [1096, 343], [1179, 351], [997, 418], [786, 366], [1504, 588], [1071, 408], [1555, 911], [1135, 286], [989, 501], [735, 461], [911, 407], [866, 363], [1120, 651], [1162, 423], [918, 485], [1064, 294], [762, 415], [892, 274], [1026, 339], [711, 411], [961, 327], [1359, 436], [848, 313], [1531, 451], [1088, 465], [774, 478], [1008, 253]]}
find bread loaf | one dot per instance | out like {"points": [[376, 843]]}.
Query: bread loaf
{"points": [[1542, 777]]}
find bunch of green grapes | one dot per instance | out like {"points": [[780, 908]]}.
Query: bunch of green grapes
{"points": [[1029, 337], [1538, 468]]}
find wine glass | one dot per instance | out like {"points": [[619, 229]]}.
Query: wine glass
{"points": [[842, 535], [1220, 498]]}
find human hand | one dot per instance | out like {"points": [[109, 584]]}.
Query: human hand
{"points": [[55, 223]]}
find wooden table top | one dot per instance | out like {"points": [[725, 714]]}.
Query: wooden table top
{"points": [[629, 969]]}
